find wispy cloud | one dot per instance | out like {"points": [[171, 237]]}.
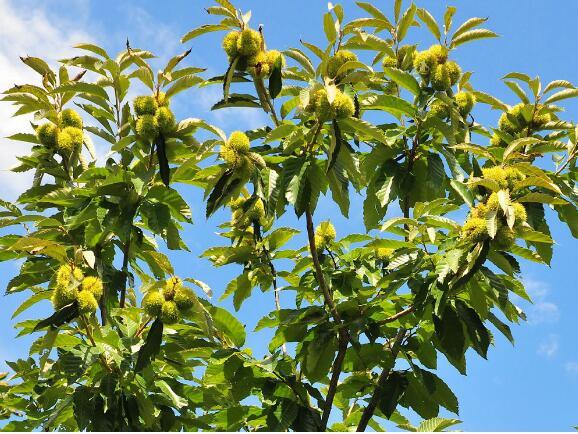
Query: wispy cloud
{"points": [[25, 31], [549, 346], [543, 310], [571, 368]]}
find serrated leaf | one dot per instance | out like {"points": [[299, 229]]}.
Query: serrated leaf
{"points": [[472, 35]]}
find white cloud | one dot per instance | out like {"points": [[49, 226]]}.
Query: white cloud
{"points": [[543, 310], [549, 346], [571, 368], [25, 30]]}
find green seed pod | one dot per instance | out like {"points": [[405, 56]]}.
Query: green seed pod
{"points": [[94, 285], [493, 203], [465, 102], [47, 135], [454, 71], [162, 99], [239, 141], [170, 313], [439, 109], [165, 120], [439, 53], [343, 106], [323, 108], [474, 230], [70, 139], [480, 211], [87, 304], [184, 298], [337, 61], [152, 303], [63, 296], [389, 62], [424, 63], [145, 105], [274, 56], [505, 124], [249, 42], [513, 175], [505, 238], [258, 66], [324, 234], [256, 213], [171, 286], [440, 79], [65, 275], [497, 174], [383, 253], [230, 44], [231, 156], [520, 214], [146, 127], [496, 141], [69, 118]]}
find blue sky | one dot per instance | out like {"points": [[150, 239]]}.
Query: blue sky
{"points": [[529, 387]]}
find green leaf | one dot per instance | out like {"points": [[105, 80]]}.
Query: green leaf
{"points": [[405, 22], [229, 78], [164, 169], [437, 424], [319, 358], [392, 391], [206, 28], [563, 94], [404, 79], [450, 333], [389, 103], [177, 400], [276, 80], [93, 48], [329, 28], [31, 301], [472, 35], [430, 22], [151, 347], [448, 18], [60, 317], [229, 325], [79, 87], [463, 191], [237, 100]]}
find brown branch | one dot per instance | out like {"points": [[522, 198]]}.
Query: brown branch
{"points": [[397, 315], [125, 259], [344, 337], [372, 405]]}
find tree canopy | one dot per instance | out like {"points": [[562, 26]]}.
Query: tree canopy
{"points": [[450, 207]]}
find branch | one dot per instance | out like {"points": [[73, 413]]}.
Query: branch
{"points": [[397, 315], [125, 259], [370, 409], [343, 335], [258, 236]]}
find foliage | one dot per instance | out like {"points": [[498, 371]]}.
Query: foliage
{"points": [[372, 310]]}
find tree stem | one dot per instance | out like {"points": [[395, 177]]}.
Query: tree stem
{"points": [[343, 335], [125, 259]]}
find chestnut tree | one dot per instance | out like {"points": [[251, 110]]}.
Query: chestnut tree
{"points": [[365, 315]]}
